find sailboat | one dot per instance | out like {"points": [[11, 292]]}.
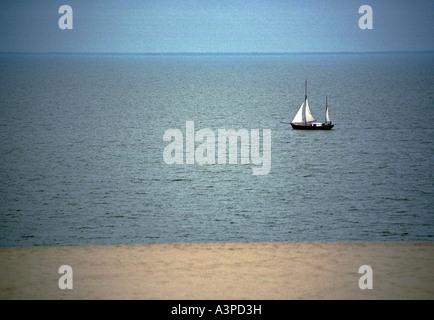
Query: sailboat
{"points": [[309, 121]]}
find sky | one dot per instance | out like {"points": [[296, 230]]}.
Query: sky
{"points": [[255, 26]]}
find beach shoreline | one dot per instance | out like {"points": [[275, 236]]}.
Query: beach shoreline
{"points": [[220, 271]]}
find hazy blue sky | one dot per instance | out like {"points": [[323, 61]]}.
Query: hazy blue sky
{"points": [[216, 26]]}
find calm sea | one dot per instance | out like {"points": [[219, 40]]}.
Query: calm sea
{"points": [[81, 149]]}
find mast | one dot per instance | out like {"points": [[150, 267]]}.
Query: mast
{"points": [[326, 111], [305, 98]]}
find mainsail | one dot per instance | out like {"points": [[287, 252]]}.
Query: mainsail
{"points": [[327, 116], [299, 116], [309, 116]]}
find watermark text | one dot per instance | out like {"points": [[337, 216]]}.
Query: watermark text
{"points": [[200, 147]]}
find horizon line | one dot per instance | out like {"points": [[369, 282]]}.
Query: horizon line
{"points": [[219, 53]]}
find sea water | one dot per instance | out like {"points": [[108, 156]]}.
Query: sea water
{"points": [[81, 148]]}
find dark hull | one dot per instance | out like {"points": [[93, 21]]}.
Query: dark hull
{"points": [[311, 127]]}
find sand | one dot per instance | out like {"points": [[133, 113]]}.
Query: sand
{"points": [[221, 271]]}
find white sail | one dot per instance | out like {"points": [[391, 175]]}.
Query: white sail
{"points": [[327, 116], [299, 116], [309, 116]]}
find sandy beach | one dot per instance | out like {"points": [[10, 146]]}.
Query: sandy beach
{"points": [[297, 270]]}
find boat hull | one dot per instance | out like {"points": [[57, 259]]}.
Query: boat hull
{"points": [[302, 126]]}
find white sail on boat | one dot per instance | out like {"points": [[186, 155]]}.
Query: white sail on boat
{"points": [[308, 123], [299, 116]]}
